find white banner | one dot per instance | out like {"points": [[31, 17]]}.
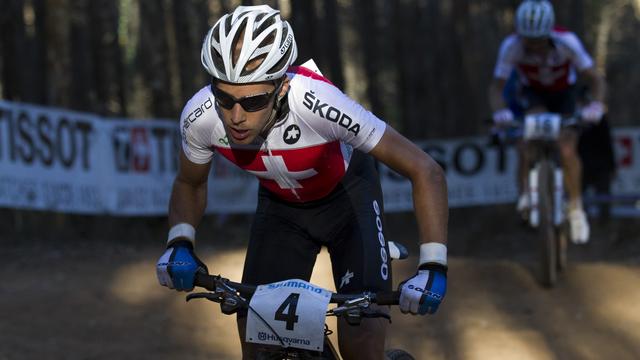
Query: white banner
{"points": [[59, 160], [477, 174]]}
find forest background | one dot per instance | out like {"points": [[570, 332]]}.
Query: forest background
{"points": [[422, 65]]}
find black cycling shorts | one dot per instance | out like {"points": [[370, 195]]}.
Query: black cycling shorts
{"points": [[562, 102], [286, 237]]}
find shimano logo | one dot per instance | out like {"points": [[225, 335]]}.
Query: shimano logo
{"points": [[286, 44], [330, 113], [297, 285], [384, 268]]}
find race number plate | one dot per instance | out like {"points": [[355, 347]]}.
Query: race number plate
{"points": [[545, 126], [294, 309]]}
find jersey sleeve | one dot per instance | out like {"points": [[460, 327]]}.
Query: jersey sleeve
{"points": [[197, 128], [580, 57], [506, 58], [335, 116]]}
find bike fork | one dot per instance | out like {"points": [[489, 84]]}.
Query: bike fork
{"points": [[534, 215], [558, 193]]}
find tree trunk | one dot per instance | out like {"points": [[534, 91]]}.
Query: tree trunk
{"points": [[190, 30], [369, 39], [58, 59], [108, 67], [83, 96], [12, 40], [330, 30], [303, 21], [152, 58]]}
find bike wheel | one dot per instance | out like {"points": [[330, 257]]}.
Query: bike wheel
{"points": [[397, 354], [562, 244], [546, 232]]}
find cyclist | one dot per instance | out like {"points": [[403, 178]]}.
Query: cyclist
{"points": [[547, 60], [312, 149]]}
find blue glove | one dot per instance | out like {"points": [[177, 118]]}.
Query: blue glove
{"points": [[177, 267], [423, 293]]}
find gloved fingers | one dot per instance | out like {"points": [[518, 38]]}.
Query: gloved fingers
{"points": [[409, 301], [415, 303], [428, 305], [164, 279], [161, 270], [593, 112], [404, 301], [503, 116], [184, 285]]}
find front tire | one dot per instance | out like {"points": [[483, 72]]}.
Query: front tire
{"points": [[547, 232], [397, 354], [563, 243]]}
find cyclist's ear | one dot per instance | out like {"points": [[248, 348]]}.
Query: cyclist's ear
{"points": [[285, 86]]}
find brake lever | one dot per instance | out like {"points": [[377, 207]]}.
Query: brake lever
{"points": [[349, 305], [375, 314], [211, 296]]}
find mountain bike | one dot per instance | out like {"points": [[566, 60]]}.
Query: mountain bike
{"points": [[546, 189], [287, 317]]}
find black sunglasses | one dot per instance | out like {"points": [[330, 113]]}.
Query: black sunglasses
{"points": [[249, 103]]}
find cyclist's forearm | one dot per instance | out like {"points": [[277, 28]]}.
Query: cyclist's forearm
{"points": [[430, 202], [429, 187], [188, 202], [496, 100]]}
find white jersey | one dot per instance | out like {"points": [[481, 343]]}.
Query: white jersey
{"points": [[554, 72], [305, 154]]}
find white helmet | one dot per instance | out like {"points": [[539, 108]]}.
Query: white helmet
{"points": [[534, 18], [265, 37]]}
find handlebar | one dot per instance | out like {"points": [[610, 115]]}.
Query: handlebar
{"points": [[215, 282], [565, 120], [539, 126]]}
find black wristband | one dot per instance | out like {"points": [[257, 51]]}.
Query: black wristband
{"points": [[184, 242], [434, 266]]}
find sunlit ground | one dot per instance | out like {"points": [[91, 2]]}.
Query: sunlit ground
{"points": [[492, 310]]}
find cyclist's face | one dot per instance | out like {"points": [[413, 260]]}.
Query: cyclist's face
{"points": [[538, 46], [244, 126]]}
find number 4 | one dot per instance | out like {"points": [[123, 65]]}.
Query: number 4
{"points": [[290, 317]]}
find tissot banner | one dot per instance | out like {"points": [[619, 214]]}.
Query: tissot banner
{"points": [[65, 161]]}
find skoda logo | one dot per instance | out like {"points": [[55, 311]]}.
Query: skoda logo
{"points": [[291, 134]]}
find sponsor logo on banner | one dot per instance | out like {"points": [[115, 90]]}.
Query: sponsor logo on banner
{"points": [[477, 173], [627, 151], [47, 139], [145, 149]]}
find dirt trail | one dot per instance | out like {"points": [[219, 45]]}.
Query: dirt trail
{"points": [[100, 301]]}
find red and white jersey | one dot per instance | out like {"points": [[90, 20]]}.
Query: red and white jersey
{"points": [[305, 154], [553, 72]]}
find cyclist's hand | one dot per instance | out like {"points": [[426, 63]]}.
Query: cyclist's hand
{"points": [[593, 112], [502, 116], [424, 292], [178, 265]]}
